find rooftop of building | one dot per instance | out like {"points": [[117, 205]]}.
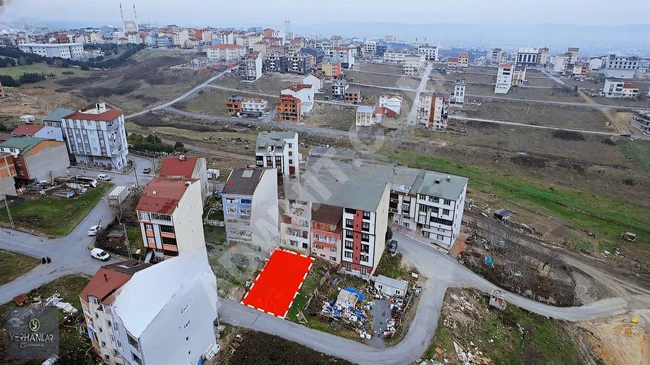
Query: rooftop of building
{"points": [[505, 65], [162, 195], [365, 109], [177, 276], [328, 214], [253, 100], [629, 85], [226, 46], [109, 278], [440, 185], [100, 113], [394, 283], [464, 55], [391, 96], [58, 114], [27, 129], [23, 144], [243, 181], [452, 59], [298, 87], [353, 90], [276, 139], [178, 166], [235, 98]]}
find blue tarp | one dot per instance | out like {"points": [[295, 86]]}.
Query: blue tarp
{"points": [[355, 291]]}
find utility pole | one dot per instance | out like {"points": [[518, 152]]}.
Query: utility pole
{"points": [[11, 220], [126, 241], [135, 172]]}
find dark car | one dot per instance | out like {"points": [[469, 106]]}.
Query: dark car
{"points": [[147, 170], [392, 247]]}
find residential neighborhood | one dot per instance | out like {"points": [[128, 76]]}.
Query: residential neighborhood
{"points": [[206, 185]]}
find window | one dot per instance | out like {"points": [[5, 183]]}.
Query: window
{"points": [[349, 234], [107, 357], [397, 292], [168, 241], [151, 240], [170, 253], [246, 201], [332, 258], [447, 202], [348, 255], [18, 163], [365, 248], [132, 341], [136, 359], [445, 211], [149, 227], [365, 226], [348, 244], [103, 343], [364, 258], [231, 200], [349, 223], [161, 217], [109, 323], [366, 215], [350, 211], [440, 237], [167, 229], [305, 245], [365, 237]]}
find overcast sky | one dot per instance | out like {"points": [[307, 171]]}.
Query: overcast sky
{"points": [[304, 12]]}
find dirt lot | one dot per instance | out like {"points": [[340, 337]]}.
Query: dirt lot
{"points": [[383, 80], [331, 116], [467, 324], [620, 343], [522, 93], [378, 67], [268, 84], [40, 102], [212, 101], [540, 114]]}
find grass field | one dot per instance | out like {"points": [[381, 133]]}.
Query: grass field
{"points": [[603, 216], [637, 151], [13, 265], [17, 71], [52, 216]]}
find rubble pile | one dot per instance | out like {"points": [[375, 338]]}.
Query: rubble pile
{"points": [[348, 307]]}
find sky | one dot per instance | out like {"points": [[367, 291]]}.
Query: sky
{"points": [[272, 13]]}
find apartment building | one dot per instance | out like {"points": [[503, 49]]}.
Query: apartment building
{"points": [[250, 67], [278, 150], [225, 52], [326, 232], [580, 70], [37, 159], [97, 137], [519, 75], [331, 68], [315, 82], [253, 107], [391, 101], [97, 300], [299, 63], [305, 93], [527, 56], [543, 56], [641, 121], [181, 37], [289, 108], [180, 312], [233, 104], [430, 52], [573, 54], [70, 51], [170, 216], [365, 116], [496, 56], [369, 48], [620, 89], [395, 57], [276, 62], [452, 65], [343, 54], [559, 63], [463, 60], [38, 131], [339, 87], [504, 78], [458, 96], [295, 224], [433, 109], [411, 65], [621, 67], [7, 174], [250, 201], [186, 167], [352, 95]]}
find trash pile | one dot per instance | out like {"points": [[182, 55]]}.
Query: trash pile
{"points": [[397, 307], [469, 358], [348, 307]]}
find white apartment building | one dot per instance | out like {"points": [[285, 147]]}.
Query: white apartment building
{"points": [[463, 60], [527, 56], [295, 225], [430, 52], [641, 121], [621, 67], [96, 137], [519, 75], [458, 96], [250, 67], [542, 56], [596, 63], [365, 116], [343, 54], [339, 87], [573, 54], [180, 37], [504, 78], [253, 107], [496, 57], [411, 65], [250, 201], [397, 57], [226, 52], [165, 313], [170, 215], [305, 93], [391, 101], [315, 82], [71, 51], [619, 89], [369, 47], [560, 63], [278, 150], [228, 38], [433, 109]]}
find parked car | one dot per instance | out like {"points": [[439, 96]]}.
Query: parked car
{"points": [[147, 170], [94, 229], [104, 177], [99, 254], [392, 247]]}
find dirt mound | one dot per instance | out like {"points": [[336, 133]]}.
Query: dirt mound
{"points": [[609, 141], [38, 102], [527, 160], [123, 88], [568, 135]]}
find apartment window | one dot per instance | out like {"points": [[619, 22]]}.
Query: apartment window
{"points": [[447, 202], [231, 200], [132, 341], [168, 241], [365, 237], [348, 244], [445, 211], [106, 357], [350, 211], [151, 240], [349, 223], [348, 255], [366, 215], [136, 359], [364, 258], [349, 234], [161, 217], [365, 248], [440, 237], [247, 201], [163, 228], [365, 226], [170, 253], [109, 323], [149, 227], [18, 163], [332, 258]]}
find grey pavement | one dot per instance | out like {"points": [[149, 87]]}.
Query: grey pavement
{"points": [[412, 117]]}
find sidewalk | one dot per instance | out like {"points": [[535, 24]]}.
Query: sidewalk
{"points": [[416, 236]]}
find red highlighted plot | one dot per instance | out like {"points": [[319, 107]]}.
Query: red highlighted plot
{"points": [[278, 284]]}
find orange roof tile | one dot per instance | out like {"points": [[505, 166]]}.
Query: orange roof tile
{"points": [[107, 116], [162, 195], [104, 283], [26, 129], [452, 59], [174, 167]]}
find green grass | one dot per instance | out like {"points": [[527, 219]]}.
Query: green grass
{"points": [[214, 234], [52, 216], [18, 71], [637, 151], [135, 236], [13, 265], [392, 267], [604, 216]]}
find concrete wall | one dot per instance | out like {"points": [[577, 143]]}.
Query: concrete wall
{"points": [[201, 172], [47, 160], [381, 226], [265, 214], [188, 220]]}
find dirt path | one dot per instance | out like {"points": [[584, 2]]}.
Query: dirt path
{"points": [[212, 152], [606, 112]]}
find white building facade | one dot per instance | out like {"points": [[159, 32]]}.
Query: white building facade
{"points": [[278, 150], [504, 78], [71, 51]]}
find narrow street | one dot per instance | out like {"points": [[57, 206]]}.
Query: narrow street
{"points": [[412, 118]]}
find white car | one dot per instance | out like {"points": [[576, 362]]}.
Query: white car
{"points": [[104, 177], [99, 254], [94, 229]]}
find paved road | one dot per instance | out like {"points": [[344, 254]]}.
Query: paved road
{"points": [[381, 73], [413, 114], [553, 77], [118, 178], [180, 98]]}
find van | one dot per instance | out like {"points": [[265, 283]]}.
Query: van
{"points": [[104, 177]]}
